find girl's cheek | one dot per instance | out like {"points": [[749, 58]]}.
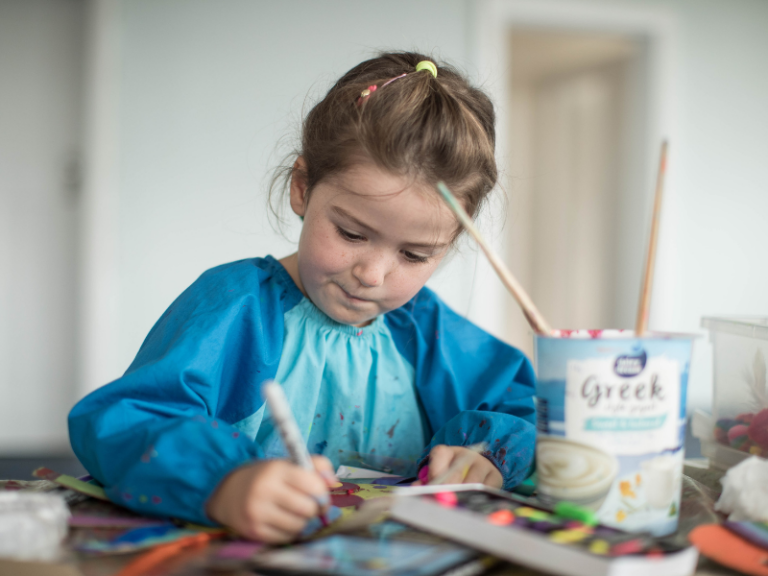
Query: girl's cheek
{"points": [[331, 252], [420, 278], [407, 283]]}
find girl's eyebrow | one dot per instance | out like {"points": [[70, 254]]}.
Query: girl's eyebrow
{"points": [[347, 216], [424, 245]]}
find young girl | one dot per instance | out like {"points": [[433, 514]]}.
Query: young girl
{"points": [[377, 369]]}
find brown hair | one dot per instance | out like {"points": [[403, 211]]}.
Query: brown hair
{"points": [[430, 128]]}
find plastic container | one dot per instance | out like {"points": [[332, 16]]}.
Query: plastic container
{"points": [[610, 413], [738, 426], [32, 526]]}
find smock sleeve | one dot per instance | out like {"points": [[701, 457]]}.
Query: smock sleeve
{"points": [[474, 387], [161, 437]]}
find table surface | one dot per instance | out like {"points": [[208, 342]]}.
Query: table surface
{"points": [[700, 490]]}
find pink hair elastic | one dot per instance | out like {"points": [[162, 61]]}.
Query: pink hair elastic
{"points": [[371, 89], [393, 79], [423, 65]]}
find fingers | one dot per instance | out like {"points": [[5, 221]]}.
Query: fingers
{"points": [[280, 515], [274, 526], [270, 501], [440, 459], [478, 472], [270, 535], [307, 482], [458, 476], [324, 467], [465, 466], [483, 471], [270, 519], [322, 464], [494, 478], [298, 503]]}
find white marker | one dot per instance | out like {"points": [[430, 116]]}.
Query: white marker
{"points": [[286, 425], [283, 419]]}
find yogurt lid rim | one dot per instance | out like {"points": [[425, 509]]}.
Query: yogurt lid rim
{"points": [[614, 334]]}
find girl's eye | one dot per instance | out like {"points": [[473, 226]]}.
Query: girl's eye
{"points": [[349, 236], [411, 257]]}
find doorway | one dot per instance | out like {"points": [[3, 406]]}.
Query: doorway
{"points": [[636, 38], [576, 142]]}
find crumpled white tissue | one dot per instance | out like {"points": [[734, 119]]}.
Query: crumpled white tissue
{"points": [[32, 526], [745, 491]]}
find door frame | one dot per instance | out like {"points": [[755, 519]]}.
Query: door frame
{"points": [[100, 219], [490, 22]]}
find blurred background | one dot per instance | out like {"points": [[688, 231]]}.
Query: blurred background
{"points": [[137, 139]]}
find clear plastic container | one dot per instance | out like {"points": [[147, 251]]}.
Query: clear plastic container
{"points": [[738, 427]]}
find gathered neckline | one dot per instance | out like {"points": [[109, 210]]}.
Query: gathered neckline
{"points": [[326, 321]]}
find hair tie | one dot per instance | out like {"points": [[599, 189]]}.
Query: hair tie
{"points": [[388, 82], [423, 65], [371, 89], [427, 65]]}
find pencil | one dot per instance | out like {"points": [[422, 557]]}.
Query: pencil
{"points": [[289, 431]]}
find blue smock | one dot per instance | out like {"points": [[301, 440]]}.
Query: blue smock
{"points": [[189, 409]]}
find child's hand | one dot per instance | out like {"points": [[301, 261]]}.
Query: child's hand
{"points": [[272, 500], [480, 469]]}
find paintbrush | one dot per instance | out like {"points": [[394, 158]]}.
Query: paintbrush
{"points": [[643, 309], [532, 314], [460, 464]]}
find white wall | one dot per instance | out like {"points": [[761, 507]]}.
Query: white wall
{"points": [[719, 202], [206, 92], [40, 112]]}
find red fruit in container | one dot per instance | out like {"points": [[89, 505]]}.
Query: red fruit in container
{"points": [[746, 417], [758, 429], [738, 432]]}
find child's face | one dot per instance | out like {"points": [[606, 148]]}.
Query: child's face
{"points": [[370, 241]]}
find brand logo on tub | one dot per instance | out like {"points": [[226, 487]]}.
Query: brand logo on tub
{"points": [[627, 403], [629, 365]]}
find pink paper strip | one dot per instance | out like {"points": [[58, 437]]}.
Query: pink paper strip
{"points": [[239, 550]]}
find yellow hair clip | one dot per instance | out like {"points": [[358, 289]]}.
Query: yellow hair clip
{"points": [[427, 65]]}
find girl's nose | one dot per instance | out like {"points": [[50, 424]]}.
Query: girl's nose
{"points": [[370, 272]]}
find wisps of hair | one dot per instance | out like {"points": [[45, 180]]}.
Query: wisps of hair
{"points": [[424, 127]]}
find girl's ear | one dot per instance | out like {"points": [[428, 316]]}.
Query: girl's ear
{"points": [[299, 187]]}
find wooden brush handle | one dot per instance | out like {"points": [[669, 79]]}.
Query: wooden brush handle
{"points": [[644, 307], [532, 314]]}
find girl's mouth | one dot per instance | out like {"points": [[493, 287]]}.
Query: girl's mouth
{"points": [[352, 297]]}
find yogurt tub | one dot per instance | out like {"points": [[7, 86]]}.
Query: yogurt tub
{"points": [[611, 424]]}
